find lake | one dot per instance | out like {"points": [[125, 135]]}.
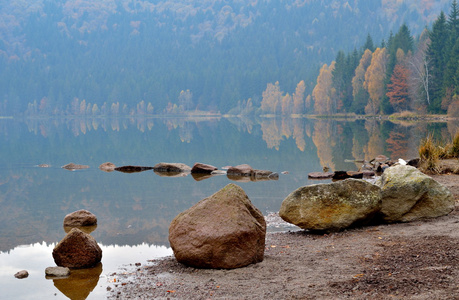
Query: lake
{"points": [[134, 210]]}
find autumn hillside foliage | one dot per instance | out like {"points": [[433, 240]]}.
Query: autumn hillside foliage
{"points": [[402, 74]]}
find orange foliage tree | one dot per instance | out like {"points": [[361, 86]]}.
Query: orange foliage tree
{"points": [[398, 89]]}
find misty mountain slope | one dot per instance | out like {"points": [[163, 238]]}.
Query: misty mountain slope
{"points": [[128, 51]]}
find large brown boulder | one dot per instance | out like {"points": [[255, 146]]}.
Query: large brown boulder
{"points": [[79, 218], [409, 195], [202, 168], [222, 231], [77, 250], [333, 206]]}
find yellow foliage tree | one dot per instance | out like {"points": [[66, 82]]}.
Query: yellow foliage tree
{"points": [[359, 78], [374, 80], [272, 98], [287, 104], [323, 92], [298, 98]]}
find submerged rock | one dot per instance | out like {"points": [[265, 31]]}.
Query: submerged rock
{"points": [[77, 250], [223, 231], [80, 217], [57, 271], [202, 168], [240, 170], [409, 195], [132, 169], [171, 167], [333, 206], [107, 167], [22, 274], [72, 166]]}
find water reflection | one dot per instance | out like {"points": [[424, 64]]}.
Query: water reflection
{"points": [[80, 283]]}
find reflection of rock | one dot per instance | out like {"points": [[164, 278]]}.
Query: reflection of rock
{"points": [[202, 168], [132, 169], [201, 176], [77, 250], [409, 195], [21, 274], [79, 218], [52, 272], [80, 283], [222, 231], [107, 167], [332, 206], [171, 174], [171, 167], [72, 166]]}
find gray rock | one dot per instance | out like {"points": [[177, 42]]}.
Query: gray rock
{"points": [[203, 168], [223, 231], [79, 218], [57, 271], [171, 167], [333, 206], [408, 195], [72, 166], [21, 274], [77, 250], [107, 167]]}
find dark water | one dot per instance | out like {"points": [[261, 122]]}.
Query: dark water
{"points": [[134, 210]]}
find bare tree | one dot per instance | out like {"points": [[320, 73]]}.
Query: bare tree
{"points": [[420, 76]]}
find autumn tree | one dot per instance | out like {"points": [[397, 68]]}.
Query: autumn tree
{"points": [[298, 98], [287, 104], [323, 92], [272, 99], [374, 80], [420, 77], [359, 93], [397, 90]]}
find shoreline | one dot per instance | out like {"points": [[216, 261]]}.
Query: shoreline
{"points": [[404, 260]]}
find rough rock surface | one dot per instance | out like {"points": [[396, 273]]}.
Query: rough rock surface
{"points": [[320, 175], [80, 217], [240, 170], [408, 195], [333, 206], [171, 167], [21, 274], [223, 231], [57, 271], [107, 167], [77, 250], [203, 168]]}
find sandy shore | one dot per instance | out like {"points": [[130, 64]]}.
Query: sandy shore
{"points": [[418, 260]]}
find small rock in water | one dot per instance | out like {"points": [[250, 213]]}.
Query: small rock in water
{"points": [[21, 274], [44, 166], [72, 166], [57, 271]]}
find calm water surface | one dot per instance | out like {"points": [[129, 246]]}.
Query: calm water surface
{"points": [[134, 210]]}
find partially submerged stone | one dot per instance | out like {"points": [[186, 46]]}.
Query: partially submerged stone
{"points": [[77, 250], [202, 168], [22, 274], [57, 271], [132, 169], [80, 217], [240, 170], [107, 167], [320, 175], [223, 231], [333, 206], [409, 195], [72, 166], [171, 167]]}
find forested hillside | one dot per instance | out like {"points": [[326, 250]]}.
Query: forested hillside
{"points": [[117, 57]]}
